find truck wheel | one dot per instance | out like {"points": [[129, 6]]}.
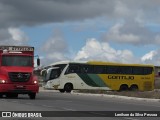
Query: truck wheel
{"points": [[32, 95], [1, 95], [11, 95], [68, 87], [15, 95]]}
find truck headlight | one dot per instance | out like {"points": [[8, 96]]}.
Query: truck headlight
{"points": [[3, 81], [35, 81]]}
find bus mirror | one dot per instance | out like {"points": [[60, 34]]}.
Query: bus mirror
{"points": [[38, 61]]}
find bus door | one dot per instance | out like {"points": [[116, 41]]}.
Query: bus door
{"points": [[51, 77], [72, 75]]}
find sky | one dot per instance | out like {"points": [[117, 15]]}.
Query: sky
{"points": [[125, 31]]}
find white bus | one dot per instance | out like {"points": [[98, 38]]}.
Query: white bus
{"points": [[66, 76]]}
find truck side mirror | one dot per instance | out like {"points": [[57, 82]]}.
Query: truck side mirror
{"points": [[38, 61]]}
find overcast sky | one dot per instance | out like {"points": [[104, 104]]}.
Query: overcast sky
{"points": [[126, 31]]}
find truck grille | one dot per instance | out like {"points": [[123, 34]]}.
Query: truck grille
{"points": [[19, 76]]}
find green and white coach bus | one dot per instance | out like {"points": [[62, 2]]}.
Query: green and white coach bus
{"points": [[97, 75]]}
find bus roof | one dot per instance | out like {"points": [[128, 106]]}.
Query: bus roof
{"points": [[114, 63], [67, 62], [98, 63]]}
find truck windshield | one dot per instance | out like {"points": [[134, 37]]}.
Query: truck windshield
{"points": [[17, 61]]}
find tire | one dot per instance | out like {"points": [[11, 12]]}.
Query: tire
{"points": [[62, 90], [123, 88], [68, 87], [15, 95], [134, 88], [12, 95], [32, 95], [1, 95]]}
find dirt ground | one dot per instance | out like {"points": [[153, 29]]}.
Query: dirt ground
{"points": [[155, 94], [147, 94]]}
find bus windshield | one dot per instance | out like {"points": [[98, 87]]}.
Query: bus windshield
{"points": [[55, 73], [17, 61], [51, 74]]}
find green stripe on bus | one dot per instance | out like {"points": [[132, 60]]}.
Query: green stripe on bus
{"points": [[92, 80], [87, 80], [97, 80]]}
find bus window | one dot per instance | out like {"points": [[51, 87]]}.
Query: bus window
{"points": [[86, 68], [112, 69], [72, 69], [137, 70], [125, 70], [61, 66], [99, 69], [147, 70]]}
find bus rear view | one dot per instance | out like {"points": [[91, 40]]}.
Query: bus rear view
{"points": [[16, 71]]}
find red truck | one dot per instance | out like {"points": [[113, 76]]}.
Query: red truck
{"points": [[16, 71]]}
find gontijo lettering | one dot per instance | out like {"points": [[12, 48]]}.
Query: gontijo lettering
{"points": [[121, 77]]}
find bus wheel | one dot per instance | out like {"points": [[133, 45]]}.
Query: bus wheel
{"points": [[62, 90], [68, 87], [32, 95], [134, 88], [123, 88]]}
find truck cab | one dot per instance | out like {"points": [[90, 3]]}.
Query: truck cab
{"points": [[16, 71]]}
